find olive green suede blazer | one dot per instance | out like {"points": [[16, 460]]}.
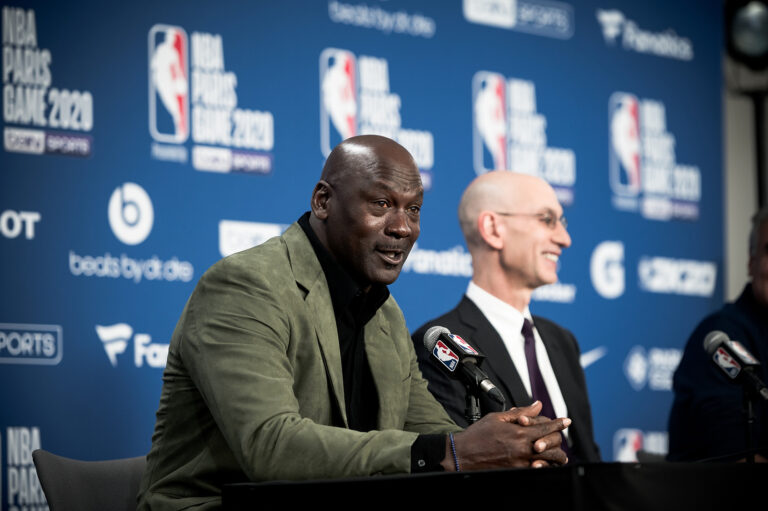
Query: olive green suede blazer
{"points": [[253, 381]]}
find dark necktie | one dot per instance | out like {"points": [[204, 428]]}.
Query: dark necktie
{"points": [[538, 388]]}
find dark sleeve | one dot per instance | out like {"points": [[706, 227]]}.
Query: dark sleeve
{"points": [[707, 418], [426, 453], [449, 392]]}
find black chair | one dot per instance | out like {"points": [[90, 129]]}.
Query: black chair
{"points": [[89, 485]]}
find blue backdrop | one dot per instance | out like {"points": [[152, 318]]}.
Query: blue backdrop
{"points": [[143, 142]]}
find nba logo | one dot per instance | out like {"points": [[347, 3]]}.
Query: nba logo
{"points": [[625, 144], [490, 122], [168, 84], [726, 362], [445, 355], [742, 352], [626, 443], [338, 97], [464, 344]]}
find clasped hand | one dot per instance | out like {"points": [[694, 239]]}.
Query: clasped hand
{"points": [[518, 437]]}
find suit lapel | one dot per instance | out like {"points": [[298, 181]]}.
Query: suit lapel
{"points": [[383, 361], [309, 275], [498, 365], [557, 357]]}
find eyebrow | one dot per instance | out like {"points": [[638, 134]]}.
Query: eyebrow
{"points": [[390, 186]]}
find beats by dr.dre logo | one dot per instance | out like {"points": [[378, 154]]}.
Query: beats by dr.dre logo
{"points": [[130, 213]]}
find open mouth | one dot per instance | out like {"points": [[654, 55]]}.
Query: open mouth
{"points": [[393, 257], [552, 257]]}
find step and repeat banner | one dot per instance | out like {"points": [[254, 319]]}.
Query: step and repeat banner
{"points": [[143, 142]]}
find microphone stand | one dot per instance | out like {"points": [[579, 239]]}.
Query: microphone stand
{"points": [[472, 410], [749, 424]]}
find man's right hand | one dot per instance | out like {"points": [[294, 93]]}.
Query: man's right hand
{"points": [[518, 437]]}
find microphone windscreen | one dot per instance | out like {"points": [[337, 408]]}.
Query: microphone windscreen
{"points": [[431, 335], [714, 339]]}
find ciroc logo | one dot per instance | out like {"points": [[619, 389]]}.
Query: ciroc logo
{"points": [[677, 276], [606, 267], [131, 214], [115, 339]]}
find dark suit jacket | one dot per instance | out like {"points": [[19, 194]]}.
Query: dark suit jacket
{"points": [[253, 387], [467, 321]]}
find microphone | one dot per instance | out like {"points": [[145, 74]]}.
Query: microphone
{"points": [[452, 352], [735, 361]]}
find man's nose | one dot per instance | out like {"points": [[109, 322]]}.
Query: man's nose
{"points": [[561, 236], [398, 224]]}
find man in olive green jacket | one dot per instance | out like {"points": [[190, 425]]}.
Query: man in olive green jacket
{"points": [[253, 388]]}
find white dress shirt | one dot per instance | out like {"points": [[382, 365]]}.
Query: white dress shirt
{"points": [[508, 322]]}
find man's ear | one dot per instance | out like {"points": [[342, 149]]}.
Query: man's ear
{"points": [[490, 230], [320, 197]]}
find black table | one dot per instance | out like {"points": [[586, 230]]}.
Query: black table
{"points": [[619, 486]]}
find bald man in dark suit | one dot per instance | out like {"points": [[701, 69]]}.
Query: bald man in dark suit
{"points": [[515, 231]]}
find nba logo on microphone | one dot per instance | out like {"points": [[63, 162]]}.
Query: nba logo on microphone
{"points": [[625, 147], [726, 362], [338, 97], [168, 84], [464, 344], [490, 122], [445, 355]]}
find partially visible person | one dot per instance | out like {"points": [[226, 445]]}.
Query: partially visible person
{"points": [[707, 420], [292, 361], [515, 232]]}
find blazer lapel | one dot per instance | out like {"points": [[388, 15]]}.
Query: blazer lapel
{"points": [[498, 364], [557, 358], [384, 361], [575, 400], [309, 275]]}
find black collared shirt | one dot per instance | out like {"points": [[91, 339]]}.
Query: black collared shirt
{"points": [[353, 308]]}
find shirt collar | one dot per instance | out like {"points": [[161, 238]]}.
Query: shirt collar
{"points": [[496, 310], [346, 293]]}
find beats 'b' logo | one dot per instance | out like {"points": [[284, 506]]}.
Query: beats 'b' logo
{"points": [[130, 213]]}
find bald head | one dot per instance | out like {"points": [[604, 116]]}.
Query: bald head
{"points": [[502, 191], [369, 153], [366, 207], [515, 233]]}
